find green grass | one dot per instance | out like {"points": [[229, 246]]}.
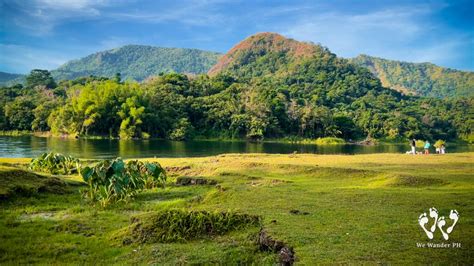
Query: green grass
{"points": [[352, 209]]}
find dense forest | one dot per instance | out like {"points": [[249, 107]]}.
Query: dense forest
{"points": [[423, 79], [265, 87]]}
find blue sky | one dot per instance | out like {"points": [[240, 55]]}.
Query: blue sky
{"points": [[46, 33]]}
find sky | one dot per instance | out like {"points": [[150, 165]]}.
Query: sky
{"points": [[47, 33]]}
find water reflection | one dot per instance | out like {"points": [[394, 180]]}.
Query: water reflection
{"points": [[30, 146]]}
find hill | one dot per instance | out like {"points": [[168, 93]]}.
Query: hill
{"points": [[249, 51], [424, 79], [307, 70], [138, 62]]}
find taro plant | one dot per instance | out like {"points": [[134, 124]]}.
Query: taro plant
{"points": [[55, 163], [114, 180]]}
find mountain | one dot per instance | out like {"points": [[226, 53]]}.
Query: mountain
{"points": [[266, 44], [8, 79], [138, 62], [313, 69], [424, 79]]}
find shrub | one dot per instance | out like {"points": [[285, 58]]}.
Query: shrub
{"points": [[55, 163], [114, 180], [180, 225], [329, 140]]}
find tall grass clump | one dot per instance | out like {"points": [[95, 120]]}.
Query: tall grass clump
{"points": [[329, 140], [180, 225], [112, 181]]}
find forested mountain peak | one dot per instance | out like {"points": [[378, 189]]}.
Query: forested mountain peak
{"points": [[423, 79], [138, 62], [260, 44]]}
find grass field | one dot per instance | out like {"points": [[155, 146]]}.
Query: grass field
{"points": [[328, 208]]}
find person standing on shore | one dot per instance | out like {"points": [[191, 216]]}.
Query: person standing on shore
{"points": [[427, 147], [413, 146]]}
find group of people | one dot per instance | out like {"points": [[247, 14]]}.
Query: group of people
{"points": [[440, 150]]}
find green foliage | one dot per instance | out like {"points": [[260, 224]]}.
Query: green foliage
{"points": [[329, 140], [55, 163], [111, 181], [39, 77], [131, 114], [182, 131], [180, 225], [469, 138], [19, 113], [423, 79]]}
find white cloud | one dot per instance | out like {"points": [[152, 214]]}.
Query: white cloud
{"points": [[41, 16]]}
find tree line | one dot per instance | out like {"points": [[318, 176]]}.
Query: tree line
{"points": [[180, 107]]}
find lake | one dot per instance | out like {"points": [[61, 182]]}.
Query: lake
{"points": [[31, 146]]}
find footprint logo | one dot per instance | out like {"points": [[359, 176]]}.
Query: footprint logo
{"points": [[434, 214], [454, 215], [423, 220], [439, 222]]}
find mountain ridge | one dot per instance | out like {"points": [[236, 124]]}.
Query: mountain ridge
{"points": [[423, 79], [138, 62]]}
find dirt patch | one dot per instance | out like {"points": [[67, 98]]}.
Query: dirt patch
{"points": [[286, 254], [174, 169], [190, 181], [181, 225], [34, 216]]}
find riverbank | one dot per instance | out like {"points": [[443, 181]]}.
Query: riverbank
{"points": [[290, 140], [327, 208]]}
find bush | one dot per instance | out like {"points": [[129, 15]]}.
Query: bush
{"points": [[111, 181], [55, 163], [180, 225], [329, 140]]}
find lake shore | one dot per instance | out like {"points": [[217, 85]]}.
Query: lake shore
{"points": [[327, 208], [32, 146], [290, 139]]}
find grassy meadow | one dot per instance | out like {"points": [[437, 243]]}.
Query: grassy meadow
{"points": [[328, 208]]}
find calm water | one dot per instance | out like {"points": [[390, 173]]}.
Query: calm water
{"points": [[29, 146]]}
